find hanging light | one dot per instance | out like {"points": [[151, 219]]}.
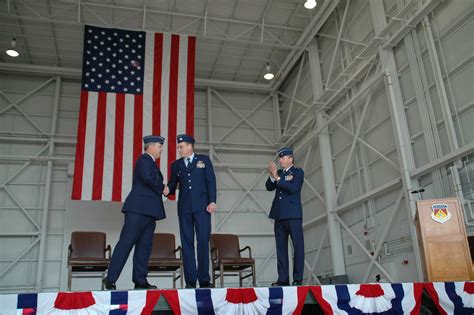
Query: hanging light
{"points": [[310, 4], [268, 73], [12, 52]]}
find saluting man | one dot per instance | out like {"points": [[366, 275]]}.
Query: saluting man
{"points": [[287, 212], [143, 206], [197, 200]]}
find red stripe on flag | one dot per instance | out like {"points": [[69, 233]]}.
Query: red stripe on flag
{"points": [[118, 147], [137, 127], [173, 101], [152, 296], [99, 147], [417, 292], [157, 72], [172, 298], [301, 292], [318, 295], [80, 147], [429, 287], [190, 86]]}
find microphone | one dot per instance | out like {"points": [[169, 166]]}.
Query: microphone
{"points": [[418, 191]]}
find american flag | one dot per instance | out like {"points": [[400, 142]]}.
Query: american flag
{"points": [[133, 84]]}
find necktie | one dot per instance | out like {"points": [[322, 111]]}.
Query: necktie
{"points": [[189, 162]]}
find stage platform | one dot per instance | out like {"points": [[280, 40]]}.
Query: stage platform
{"points": [[378, 298]]}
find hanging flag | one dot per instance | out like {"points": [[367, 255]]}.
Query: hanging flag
{"points": [[133, 84]]}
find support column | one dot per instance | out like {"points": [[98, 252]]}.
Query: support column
{"points": [[210, 139], [444, 103], [276, 116], [47, 190], [400, 126], [334, 229], [438, 76], [424, 105]]}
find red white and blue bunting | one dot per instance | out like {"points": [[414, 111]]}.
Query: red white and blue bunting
{"points": [[452, 297], [383, 298], [277, 300]]}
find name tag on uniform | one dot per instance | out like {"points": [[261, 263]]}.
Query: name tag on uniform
{"points": [[289, 177], [200, 164]]}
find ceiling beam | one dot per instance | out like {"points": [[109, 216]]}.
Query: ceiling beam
{"points": [[248, 49], [228, 26], [308, 34], [159, 28], [75, 74], [169, 13], [270, 57], [20, 31], [55, 46]]}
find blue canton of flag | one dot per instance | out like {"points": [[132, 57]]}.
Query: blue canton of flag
{"points": [[27, 303], [113, 60], [118, 303]]}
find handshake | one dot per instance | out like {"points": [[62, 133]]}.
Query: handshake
{"points": [[212, 207], [166, 191]]}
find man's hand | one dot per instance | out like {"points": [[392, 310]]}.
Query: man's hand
{"points": [[275, 174], [272, 169], [166, 191], [212, 207]]}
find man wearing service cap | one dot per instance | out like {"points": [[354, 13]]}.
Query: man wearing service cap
{"points": [[197, 200], [143, 206], [287, 212]]}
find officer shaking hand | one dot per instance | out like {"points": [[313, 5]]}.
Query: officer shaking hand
{"points": [[194, 174], [143, 206]]}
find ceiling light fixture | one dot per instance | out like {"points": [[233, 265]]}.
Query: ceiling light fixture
{"points": [[12, 52], [310, 4], [268, 73]]}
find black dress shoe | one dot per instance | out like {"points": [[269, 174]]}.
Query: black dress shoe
{"points": [[190, 285], [297, 283], [145, 286], [280, 284], [206, 285], [109, 285]]}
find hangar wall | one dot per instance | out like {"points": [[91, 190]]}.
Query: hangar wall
{"points": [[405, 91], [240, 148], [430, 94]]}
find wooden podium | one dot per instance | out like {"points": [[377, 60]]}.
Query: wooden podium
{"points": [[443, 242]]}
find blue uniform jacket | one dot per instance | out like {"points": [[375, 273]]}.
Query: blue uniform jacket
{"points": [[197, 184], [147, 188], [287, 201]]}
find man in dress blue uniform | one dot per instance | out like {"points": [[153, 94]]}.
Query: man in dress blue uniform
{"points": [[287, 212], [197, 200], [143, 206]]}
